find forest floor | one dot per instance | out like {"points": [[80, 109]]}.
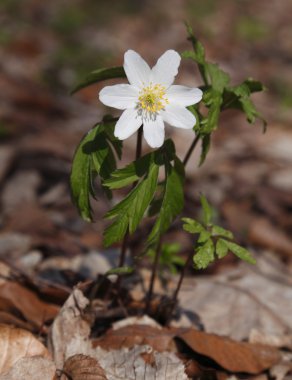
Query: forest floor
{"points": [[233, 319]]}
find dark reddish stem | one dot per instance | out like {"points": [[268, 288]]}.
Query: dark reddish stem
{"points": [[191, 149], [179, 284], [153, 275]]}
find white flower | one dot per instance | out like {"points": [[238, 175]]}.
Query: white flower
{"points": [[150, 98]]}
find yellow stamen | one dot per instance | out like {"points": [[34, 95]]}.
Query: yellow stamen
{"points": [[152, 98]]}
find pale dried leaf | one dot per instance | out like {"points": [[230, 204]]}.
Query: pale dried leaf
{"points": [[70, 331], [245, 298], [82, 367], [140, 363], [33, 368], [15, 344]]}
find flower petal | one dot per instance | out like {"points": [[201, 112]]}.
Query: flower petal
{"points": [[154, 132], [119, 96], [166, 68], [178, 116], [183, 96], [137, 70], [128, 123]]}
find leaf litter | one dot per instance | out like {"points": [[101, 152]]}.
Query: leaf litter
{"points": [[242, 178]]}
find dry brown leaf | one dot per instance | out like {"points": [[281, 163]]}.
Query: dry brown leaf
{"points": [[15, 297], [264, 234], [33, 368], [159, 339], [82, 367], [230, 355], [15, 344]]}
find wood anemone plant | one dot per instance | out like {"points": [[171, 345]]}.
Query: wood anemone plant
{"points": [[147, 102]]}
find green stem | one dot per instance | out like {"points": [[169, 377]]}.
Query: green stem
{"points": [[126, 237]]}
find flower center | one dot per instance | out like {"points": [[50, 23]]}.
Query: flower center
{"points": [[152, 99]]}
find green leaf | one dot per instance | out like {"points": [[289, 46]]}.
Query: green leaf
{"points": [[206, 143], [207, 210], [129, 212], [239, 97], [219, 79], [204, 255], [192, 226], [80, 178], [204, 236], [93, 157], [240, 252], [173, 199], [100, 75], [220, 231], [213, 100], [120, 271], [131, 173], [221, 248]]}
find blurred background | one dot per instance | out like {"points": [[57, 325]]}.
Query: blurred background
{"points": [[46, 47]]}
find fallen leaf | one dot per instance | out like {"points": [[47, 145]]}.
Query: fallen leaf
{"points": [[264, 234], [231, 355], [33, 368], [15, 297], [159, 339], [70, 330], [15, 344], [241, 299], [82, 367]]}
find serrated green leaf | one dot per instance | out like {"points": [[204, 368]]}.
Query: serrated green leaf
{"points": [[192, 226], [220, 231], [120, 271], [129, 212], [100, 75], [204, 255], [239, 97], [131, 173], [219, 79], [207, 210], [213, 100], [204, 236], [173, 199], [240, 252], [93, 157], [221, 248], [80, 181]]}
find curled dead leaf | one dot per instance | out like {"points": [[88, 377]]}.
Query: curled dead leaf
{"points": [[82, 367]]}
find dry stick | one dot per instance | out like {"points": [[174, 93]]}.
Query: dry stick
{"points": [[153, 275]]}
